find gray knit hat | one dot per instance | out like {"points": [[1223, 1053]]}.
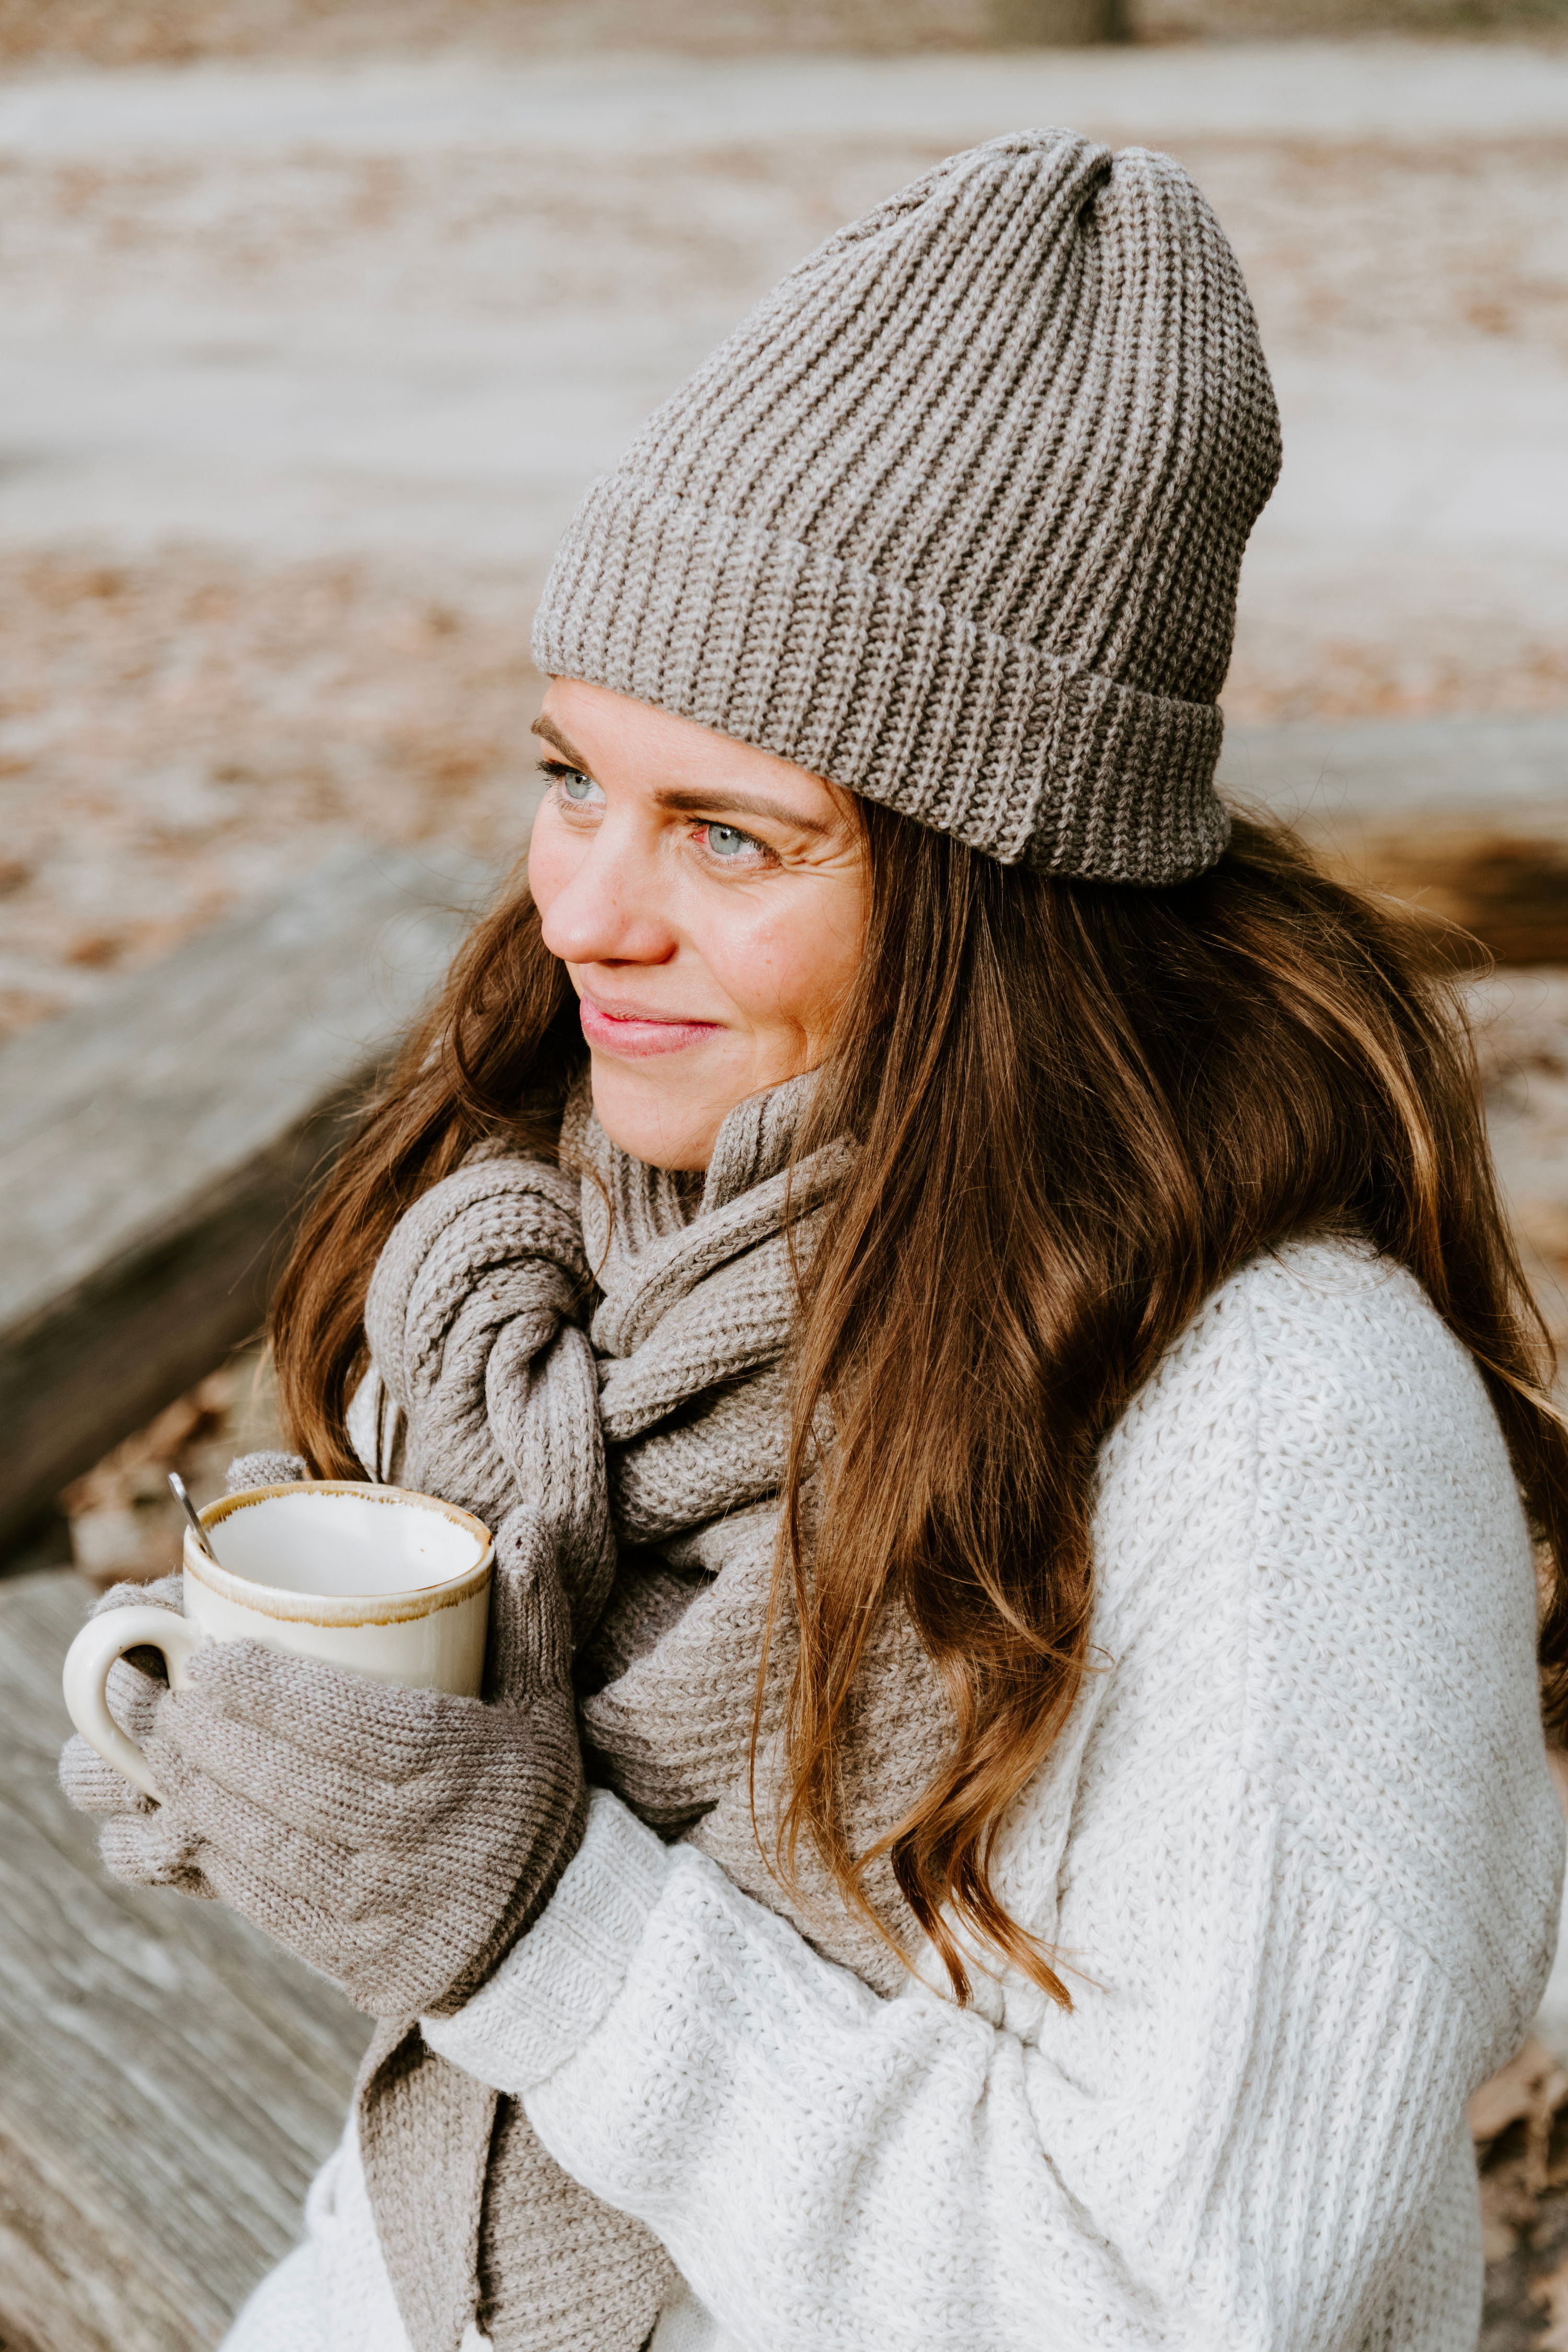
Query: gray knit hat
{"points": [[955, 518]]}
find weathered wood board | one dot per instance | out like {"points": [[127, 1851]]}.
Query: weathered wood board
{"points": [[1466, 818], [152, 1149], [169, 2081]]}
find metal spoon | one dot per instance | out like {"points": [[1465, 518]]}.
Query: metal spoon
{"points": [[183, 1497]]}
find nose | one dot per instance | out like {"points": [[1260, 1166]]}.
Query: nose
{"points": [[609, 909]]}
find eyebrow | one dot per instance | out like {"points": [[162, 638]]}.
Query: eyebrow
{"points": [[545, 726], [685, 802], [692, 804]]}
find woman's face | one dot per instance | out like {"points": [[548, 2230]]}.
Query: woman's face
{"points": [[708, 901]]}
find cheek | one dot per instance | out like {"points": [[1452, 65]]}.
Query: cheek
{"points": [[552, 858], [787, 963]]}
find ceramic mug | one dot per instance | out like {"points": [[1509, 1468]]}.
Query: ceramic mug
{"points": [[370, 1578]]}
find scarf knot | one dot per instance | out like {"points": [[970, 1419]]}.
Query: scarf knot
{"points": [[596, 1366]]}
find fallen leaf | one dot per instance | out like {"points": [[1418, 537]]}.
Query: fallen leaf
{"points": [[1529, 2088], [1551, 2295]]}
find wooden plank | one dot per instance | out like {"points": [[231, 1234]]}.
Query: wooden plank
{"points": [[1384, 766], [169, 2081], [154, 1147], [1057, 24], [153, 1150], [1467, 818]]}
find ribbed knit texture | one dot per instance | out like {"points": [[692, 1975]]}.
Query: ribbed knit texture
{"points": [[954, 519], [647, 1449], [397, 1839], [1299, 1843]]}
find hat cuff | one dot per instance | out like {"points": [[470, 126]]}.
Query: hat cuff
{"points": [[830, 666]]}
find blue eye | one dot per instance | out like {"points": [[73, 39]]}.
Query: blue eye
{"points": [[725, 840], [578, 788]]}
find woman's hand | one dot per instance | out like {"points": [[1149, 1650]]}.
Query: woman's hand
{"points": [[136, 1684], [398, 1841]]}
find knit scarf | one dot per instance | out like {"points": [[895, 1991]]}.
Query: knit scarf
{"points": [[638, 1459]]}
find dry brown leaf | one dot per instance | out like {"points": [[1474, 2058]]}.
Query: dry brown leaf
{"points": [[124, 1521], [1529, 2089], [1551, 2295]]}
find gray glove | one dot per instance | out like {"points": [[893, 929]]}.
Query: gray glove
{"points": [[267, 1468], [136, 1684], [398, 1841]]}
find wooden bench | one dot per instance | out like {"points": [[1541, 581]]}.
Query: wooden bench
{"points": [[169, 2080], [1466, 817], [152, 1149]]}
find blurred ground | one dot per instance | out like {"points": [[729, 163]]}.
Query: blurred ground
{"points": [[306, 363], [1520, 2123], [121, 32], [183, 729], [321, 312], [123, 1518]]}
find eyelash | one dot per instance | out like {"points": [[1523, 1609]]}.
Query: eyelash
{"points": [[557, 772]]}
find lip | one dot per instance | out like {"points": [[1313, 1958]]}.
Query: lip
{"points": [[634, 1037]]}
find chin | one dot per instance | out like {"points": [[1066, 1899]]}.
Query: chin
{"points": [[663, 1131]]}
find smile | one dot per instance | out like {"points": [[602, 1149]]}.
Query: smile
{"points": [[634, 1037]]}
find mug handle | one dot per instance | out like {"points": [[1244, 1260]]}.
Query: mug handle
{"points": [[86, 1678]]}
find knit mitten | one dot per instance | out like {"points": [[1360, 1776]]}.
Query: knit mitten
{"points": [[267, 1468], [398, 1841], [136, 1684]]}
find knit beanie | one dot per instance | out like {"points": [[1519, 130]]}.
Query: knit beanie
{"points": [[955, 518]]}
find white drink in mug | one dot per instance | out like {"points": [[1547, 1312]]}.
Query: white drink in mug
{"points": [[370, 1578]]}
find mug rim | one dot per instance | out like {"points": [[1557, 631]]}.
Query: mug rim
{"points": [[332, 1608]]}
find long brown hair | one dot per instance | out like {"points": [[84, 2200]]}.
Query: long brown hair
{"points": [[1079, 1108]]}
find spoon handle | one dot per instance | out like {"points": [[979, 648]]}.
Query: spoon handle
{"points": [[183, 1497]]}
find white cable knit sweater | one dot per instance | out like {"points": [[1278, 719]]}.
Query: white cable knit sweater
{"points": [[1299, 1845]]}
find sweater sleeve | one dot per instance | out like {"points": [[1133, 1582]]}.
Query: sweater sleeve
{"points": [[1294, 1948], [828, 2169]]}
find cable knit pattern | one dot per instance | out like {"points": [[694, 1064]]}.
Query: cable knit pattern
{"points": [[1299, 1846]]}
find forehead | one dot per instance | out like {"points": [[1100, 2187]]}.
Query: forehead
{"points": [[636, 746]]}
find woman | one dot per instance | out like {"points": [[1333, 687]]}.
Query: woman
{"points": [[1010, 1807]]}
